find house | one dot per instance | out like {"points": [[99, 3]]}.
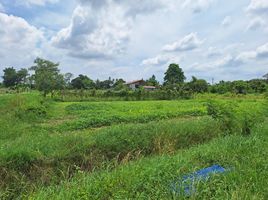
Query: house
{"points": [[138, 84], [135, 84]]}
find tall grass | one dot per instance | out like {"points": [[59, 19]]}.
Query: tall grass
{"points": [[151, 178]]}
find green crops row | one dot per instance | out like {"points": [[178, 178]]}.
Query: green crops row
{"points": [[98, 114]]}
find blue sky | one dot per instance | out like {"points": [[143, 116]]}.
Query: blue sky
{"points": [[137, 38]]}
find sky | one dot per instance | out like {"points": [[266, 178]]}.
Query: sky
{"points": [[134, 39]]}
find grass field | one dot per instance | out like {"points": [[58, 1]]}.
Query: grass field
{"points": [[131, 149]]}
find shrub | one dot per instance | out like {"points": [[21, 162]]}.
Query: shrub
{"points": [[223, 112], [236, 118]]}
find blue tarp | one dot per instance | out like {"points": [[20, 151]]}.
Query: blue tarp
{"points": [[186, 184]]}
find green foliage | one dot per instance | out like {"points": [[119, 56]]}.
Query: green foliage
{"points": [[22, 76], [152, 81], [240, 87], [47, 77], [82, 82], [97, 114], [46, 148], [173, 76], [236, 118], [223, 112], [151, 178], [10, 77], [198, 85], [120, 85]]}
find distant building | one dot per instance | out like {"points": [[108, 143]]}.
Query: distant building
{"points": [[138, 84]]}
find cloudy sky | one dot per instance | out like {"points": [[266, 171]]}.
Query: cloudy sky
{"points": [[134, 39]]}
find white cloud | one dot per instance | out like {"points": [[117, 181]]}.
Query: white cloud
{"points": [[214, 52], [189, 42], [35, 2], [246, 56], [260, 53], [226, 21], [258, 6], [158, 60], [161, 59], [198, 5], [18, 39], [101, 29], [256, 23], [228, 61]]}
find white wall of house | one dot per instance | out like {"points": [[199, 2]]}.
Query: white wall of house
{"points": [[132, 86]]}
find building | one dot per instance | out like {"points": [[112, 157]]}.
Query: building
{"points": [[138, 84], [135, 84]]}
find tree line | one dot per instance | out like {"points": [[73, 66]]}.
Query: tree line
{"points": [[46, 77]]}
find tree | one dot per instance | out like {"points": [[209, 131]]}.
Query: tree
{"points": [[107, 84], [198, 85], [82, 82], [257, 85], [22, 76], [119, 84], [240, 87], [67, 79], [174, 75], [152, 81], [222, 87], [47, 77], [266, 77], [10, 77]]}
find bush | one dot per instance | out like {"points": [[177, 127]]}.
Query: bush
{"points": [[236, 118], [223, 112]]}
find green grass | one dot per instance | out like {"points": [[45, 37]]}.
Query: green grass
{"points": [[151, 178], [98, 114], [44, 143], [109, 147]]}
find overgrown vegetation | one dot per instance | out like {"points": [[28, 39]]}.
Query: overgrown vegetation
{"points": [[44, 143]]}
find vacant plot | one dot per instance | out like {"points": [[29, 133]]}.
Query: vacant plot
{"points": [[122, 150]]}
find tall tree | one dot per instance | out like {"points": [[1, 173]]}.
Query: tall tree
{"points": [[266, 76], [10, 77], [174, 75], [67, 79], [47, 77], [22, 76], [152, 81]]}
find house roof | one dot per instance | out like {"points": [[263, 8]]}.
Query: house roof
{"points": [[137, 81]]}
